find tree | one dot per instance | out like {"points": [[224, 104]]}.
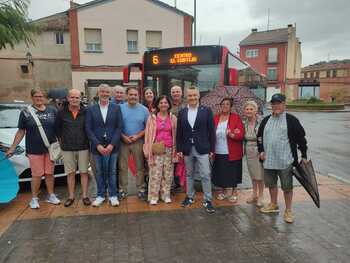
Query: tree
{"points": [[14, 24]]}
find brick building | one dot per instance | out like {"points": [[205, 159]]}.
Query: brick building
{"points": [[326, 80], [276, 54]]}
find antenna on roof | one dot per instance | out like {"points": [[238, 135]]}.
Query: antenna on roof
{"points": [[175, 3], [268, 19], [219, 41]]}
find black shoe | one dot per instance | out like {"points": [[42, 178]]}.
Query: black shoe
{"points": [[209, 207], [142, 195], [68, 202], [122, 195], [187, 202]]}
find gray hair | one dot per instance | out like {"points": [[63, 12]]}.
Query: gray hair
{"points": [[103, 86], [251, 103], [118, 87]]}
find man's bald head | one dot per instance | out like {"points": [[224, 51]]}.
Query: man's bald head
{"points": [[74, 92], [74, 98]]}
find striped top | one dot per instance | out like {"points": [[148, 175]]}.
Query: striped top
{"points": [[276, 143]]}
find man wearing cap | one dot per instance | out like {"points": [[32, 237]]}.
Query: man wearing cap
{"points": [[280, 135]]}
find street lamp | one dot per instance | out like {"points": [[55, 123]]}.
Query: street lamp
{"points": [[29, 57]]}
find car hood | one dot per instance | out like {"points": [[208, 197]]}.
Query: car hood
{"points": [[8, 134]]}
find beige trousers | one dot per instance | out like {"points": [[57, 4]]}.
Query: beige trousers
{"points": [[137, 151]]}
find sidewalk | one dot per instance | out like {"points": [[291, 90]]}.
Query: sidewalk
{"points": [[137, 232]]}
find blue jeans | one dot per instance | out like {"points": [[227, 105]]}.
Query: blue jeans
{"points": [[106, 173], [198, 161]]}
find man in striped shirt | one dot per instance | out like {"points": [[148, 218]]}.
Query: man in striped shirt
{"points": [[279, 136]]}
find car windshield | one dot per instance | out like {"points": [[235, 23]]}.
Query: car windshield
{"points": [[9, 116]]}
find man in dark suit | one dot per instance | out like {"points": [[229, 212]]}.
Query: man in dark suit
{"points": [[103, 127], [195, 142]]}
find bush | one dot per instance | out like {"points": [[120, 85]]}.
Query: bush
{"points": [[313, 100]]}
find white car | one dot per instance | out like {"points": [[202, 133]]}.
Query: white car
{"points": [[9, 114]]}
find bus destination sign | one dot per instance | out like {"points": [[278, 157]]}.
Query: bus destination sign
{"points": [[177, 59], [183, 58], [166, 58]]}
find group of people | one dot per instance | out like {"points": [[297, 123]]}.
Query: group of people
{"points": [[163, 135]]}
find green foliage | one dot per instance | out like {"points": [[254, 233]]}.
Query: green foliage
{"points": [[14, 25], [313, 100]]}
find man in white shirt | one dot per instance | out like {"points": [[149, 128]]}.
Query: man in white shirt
{"points": [[195, 142]]}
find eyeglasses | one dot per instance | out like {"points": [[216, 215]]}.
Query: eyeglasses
{"points": [[38, 96]]}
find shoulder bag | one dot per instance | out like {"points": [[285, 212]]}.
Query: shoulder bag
{"points": [[53, 148]]}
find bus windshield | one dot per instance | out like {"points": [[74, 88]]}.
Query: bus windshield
{"points": [[205, 77]]}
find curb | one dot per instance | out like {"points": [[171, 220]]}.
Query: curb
{"points": [[338, 178]]}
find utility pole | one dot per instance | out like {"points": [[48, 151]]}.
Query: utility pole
{"points": [[268, 19], [195, 21]]}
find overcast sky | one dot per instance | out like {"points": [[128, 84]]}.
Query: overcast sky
{"points": [[323, 26]]}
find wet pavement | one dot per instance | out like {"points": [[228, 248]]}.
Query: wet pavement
{"points": [[138, 232], [328, 135]]}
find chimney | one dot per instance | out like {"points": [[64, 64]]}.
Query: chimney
{"points": [[290, 28], [72, 4], [254, 30]]}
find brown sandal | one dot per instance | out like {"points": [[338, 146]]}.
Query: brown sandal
{"points": [[86, 201]]}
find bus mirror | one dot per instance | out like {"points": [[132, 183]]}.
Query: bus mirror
{"points": [[126, 75], [233, 73]]}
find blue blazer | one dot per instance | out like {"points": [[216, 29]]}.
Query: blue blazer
{"points": [[203, 132], [96, 128]]}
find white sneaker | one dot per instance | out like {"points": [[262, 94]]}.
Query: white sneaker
{"points": [[260, 202], [98, 201], [114, 201], [34, 203], [167, 200], [53, 199], [153, 202]]}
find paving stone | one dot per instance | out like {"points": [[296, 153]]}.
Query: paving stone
{"points": [[233, 234]]}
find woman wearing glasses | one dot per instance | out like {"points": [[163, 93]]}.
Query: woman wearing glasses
{"points": [[159, 149]]}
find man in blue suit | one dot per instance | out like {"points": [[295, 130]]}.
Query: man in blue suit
{"points": [[103, 127], [195, 142]]}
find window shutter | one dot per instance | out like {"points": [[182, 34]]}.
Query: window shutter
{"points": [[132, 35], [153, 39], [93, 36]]}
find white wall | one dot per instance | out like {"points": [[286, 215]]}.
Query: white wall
{"points": [[78, 78], [115, 18]]}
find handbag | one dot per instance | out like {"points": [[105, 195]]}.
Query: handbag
{"points": [[158, 148], [53, 148]]}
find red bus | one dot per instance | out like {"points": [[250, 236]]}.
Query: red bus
{"points": [[204, 66]]}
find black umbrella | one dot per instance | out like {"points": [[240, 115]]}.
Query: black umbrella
{"points": [[305, 174], [58, 93]]}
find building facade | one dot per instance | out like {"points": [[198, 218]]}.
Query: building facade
{"points": [[108, 35], [276, 54], [47, 63], [90, 44], [328, 81]]}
